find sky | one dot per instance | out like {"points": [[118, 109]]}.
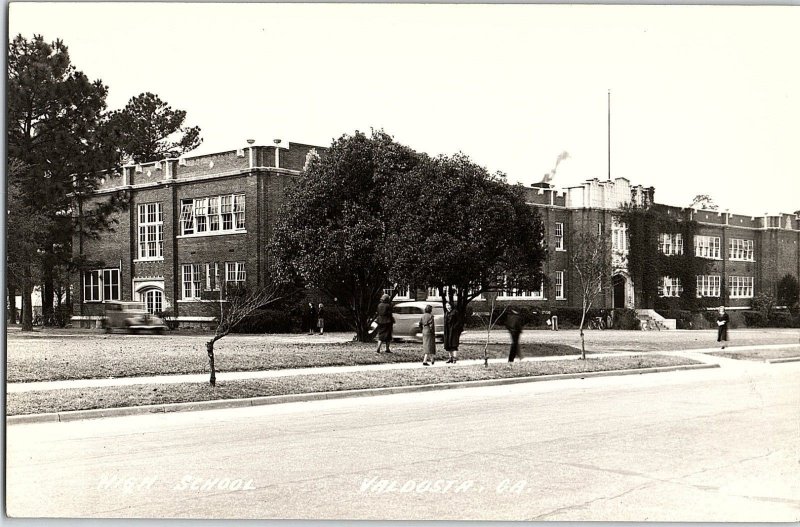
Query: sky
{"points": [[704, 100]]}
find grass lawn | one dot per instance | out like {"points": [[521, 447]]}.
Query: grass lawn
{"points": [[112, 397], [49, 359], [760, 355]]}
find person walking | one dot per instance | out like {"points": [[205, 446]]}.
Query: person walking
{"points": [[723, 320], [427, 326], [385, 323], [321, 319], [310, 317], [452, 331], [514, 326]]}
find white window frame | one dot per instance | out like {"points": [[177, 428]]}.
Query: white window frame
{"points": [[670, 244], [708, 286], [740, 286], [235, 274], [103, 284], [559, 286], [151, 232], [224, 214], [707, 247], [191, 283], [403, 292], [512, 293], [558, 231], [740, 249], [670, 287], [157, 306]]}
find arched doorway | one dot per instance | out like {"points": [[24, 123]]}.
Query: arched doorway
{"points": [[618, 284], [153, 300]]}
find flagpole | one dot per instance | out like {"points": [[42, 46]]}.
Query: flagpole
{"points": [[609, 134]]}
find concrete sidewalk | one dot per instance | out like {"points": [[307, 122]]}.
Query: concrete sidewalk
{"points": [[18, 387]]}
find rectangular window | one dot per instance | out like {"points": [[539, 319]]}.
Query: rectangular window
{"points": [[670, 244], [110, 284], [238, 210], [151, 231], [739, 249], [707, 247], [670, 287], [234, 273], [208, 277], [187, 217], [559, 234], [740, 286], [213, 214], [619, 242], [227, 213], [91, 286], [191, 281], [201, 215], [559, 285], [708, 285], [100, 285]]}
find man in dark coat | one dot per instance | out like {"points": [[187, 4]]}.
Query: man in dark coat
{"points": [[514, 326], [385, 323], [723, 319]]}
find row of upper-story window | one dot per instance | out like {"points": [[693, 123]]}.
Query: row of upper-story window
{"points": [[708, 286], [708, 247], [226, 214], [223, 214]]}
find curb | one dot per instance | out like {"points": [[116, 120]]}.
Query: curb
{"points": [[784, 359], [319, 396]]}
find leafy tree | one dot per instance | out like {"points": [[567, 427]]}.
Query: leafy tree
{"points": [[149, 129], [788, 291], [25, 223], [331, 232], [464, 231], [590, 259], [57, 129]]}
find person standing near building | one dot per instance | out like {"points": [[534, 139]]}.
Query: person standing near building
{"points": [[723, 320], [310, 317], [321, 318], [385, 323], [514, 326], [452, 331]]}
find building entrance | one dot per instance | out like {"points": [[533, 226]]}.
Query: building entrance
{"points": [[618, 283]]}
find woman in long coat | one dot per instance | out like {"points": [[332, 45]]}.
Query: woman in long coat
{"points": [[428, 326], [385, 322], [452, 333]]}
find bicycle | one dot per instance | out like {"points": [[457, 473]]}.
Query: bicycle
{"points": [[597, 323]]}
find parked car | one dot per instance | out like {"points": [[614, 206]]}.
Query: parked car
{"points": [[131, 317], [406, 320]]}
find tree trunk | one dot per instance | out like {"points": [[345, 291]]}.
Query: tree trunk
{"points": [[12, 304], [210, 351], [47, 293], [27, 307], [583, 345]]}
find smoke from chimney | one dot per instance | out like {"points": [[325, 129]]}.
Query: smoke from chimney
{"points": [[550, 175]]}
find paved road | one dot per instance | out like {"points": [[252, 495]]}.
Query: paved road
{"points": [[709, 445]]}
